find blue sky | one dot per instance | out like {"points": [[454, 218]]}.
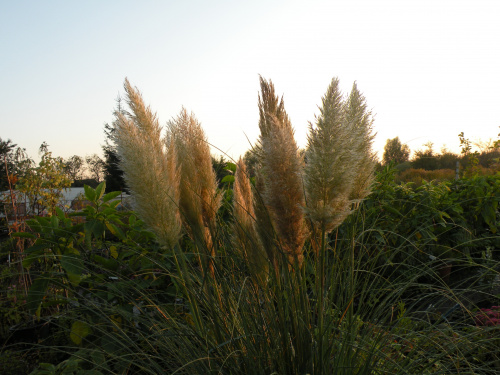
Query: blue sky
{"points": [[429, 69]]}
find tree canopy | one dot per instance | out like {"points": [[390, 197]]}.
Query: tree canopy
{"points": [[395, 151]]}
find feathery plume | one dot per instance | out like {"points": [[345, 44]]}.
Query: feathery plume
{"points": [[338, 169], [279, 175], [362, 140], [150, 172], [199, 198], [245, 235]]}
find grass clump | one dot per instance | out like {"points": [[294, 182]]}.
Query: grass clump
{"points": [[309, 274]]}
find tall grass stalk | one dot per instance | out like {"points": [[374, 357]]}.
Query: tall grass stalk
{"points": [[373, 318]]}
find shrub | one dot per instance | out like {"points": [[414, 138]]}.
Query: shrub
{"points": [[418, 176]]}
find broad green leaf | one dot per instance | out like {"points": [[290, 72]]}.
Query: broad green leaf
{"points": [[111, 196], [71, 263], [131, 220], [230, 167], [99, 191], [73, 266], [35, 225], [113, 252], [95, 227], [28, 260], [89, 193], [445, 215], [60, 213], [54, 222], [79, 330], [228, 178], [115, 230], [98, 358], [113, 204], [489, 215], [36, 293], [108, 211], [109, 264]]}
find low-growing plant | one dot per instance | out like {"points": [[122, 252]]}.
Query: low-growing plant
{"points": [[420, 176]]}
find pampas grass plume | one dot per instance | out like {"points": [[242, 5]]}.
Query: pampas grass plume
{"points": [[199, 197], [279, 176], [245, 237], [149, 170], [340, 163]]}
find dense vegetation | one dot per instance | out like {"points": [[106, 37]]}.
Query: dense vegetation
{"points": [[429, 165], [215, 275]]}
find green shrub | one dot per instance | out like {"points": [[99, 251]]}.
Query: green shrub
{"points": [[419, 176]]}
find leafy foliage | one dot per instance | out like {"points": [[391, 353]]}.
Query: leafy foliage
{"points": [[395, 152], [43, 184]]}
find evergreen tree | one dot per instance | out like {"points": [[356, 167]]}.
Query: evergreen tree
{"points": [[113, 175]]}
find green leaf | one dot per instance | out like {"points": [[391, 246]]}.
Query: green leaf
{"points": [[228, 178], [230, 167], [115, 231], [54, 222], [109, 264], [113, 252], [108, 211], [131, 220], [73, 266], [36, 293], [35, 225], [28, 260], [89, 193], [94, 227], [47, 366], [99, 191], [392, 210], [489, 216], [445, 215], [111, 196], [60, 214], [98, 358], [79, 330]]}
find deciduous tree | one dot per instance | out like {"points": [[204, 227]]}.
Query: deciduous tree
{"points": [[96, 166], [74, 167], [395, 151], [43, 183], [7, 163]]}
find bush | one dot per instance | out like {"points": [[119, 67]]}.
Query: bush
{"points": [[419, 176]]}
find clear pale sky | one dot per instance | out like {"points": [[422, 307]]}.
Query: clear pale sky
{"points": [[429, 69]]}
